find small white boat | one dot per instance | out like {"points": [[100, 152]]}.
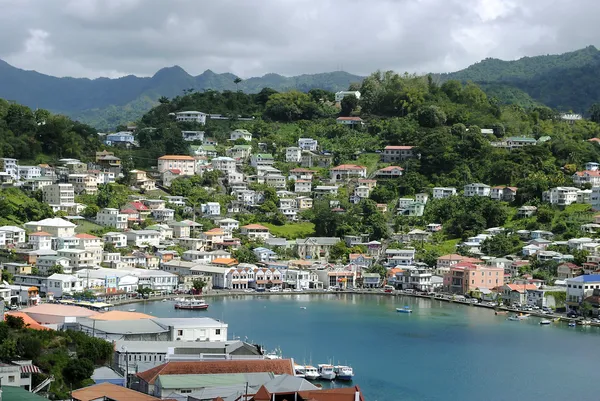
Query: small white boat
{"points": [[164, 300], [303, 307], [343, 372], [299, 371], [131, 310], [518, 317], [193, 304], [572, 324], [545, 322], [311, 373], [406, 309], [326, 372]]}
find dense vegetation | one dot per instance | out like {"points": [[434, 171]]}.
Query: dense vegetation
{"points": [[105, 103], [70, 356], [38, 136], [565, 82]]}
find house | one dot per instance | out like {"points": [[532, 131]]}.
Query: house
{"points": [[142, 238], [414, 278], [191, 136], [371, 280], [29, 172], [163, 215], [56, 227], [395, 153], [515, 142], [477, 189], [239, 152], [304, 202], [301, 174], [13, 235], [262, 159], [443, 192], [205, 150], [501, 193], [526, 211], [464, 278], [119, 240], [308, 144], [213, 236], [445, 262], [277, 181], [169, 176], [141, 180], [119, 138], [16, 376], [400, 257], [59, 194], [83, 183], [265, 254], [293, 154], [110, 217], [351, 121], [255, 231], [40, 240], [310, 159], [389, 172], [570, 117], [191, 117], [211, 208], [302, 186], [38, 184], [315, 247], [516, 293], [567, 270], [166, 232], [591, 177], [240, 134], [322, 190], [345, 172], [224, 164], [185, 164], [560, 196], [342, 94]]}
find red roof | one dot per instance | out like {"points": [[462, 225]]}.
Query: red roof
{"points": [[175, 171], [589, 173], [349, 119], [392, 168], [330, 394], [275, 366], [138, 205], [40, 234], [594, 140], [349, 167], [395, 147], [86, 236], [129, 211], [255, 227], [571, 266]]}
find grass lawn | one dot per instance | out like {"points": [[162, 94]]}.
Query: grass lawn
{"points": [[445, 247], [369, 160], [291, 230], [85, 226]]}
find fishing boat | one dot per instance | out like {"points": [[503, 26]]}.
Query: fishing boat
{"points": [[311, 373], [545, 322], [192, 304], [406, 309], [343, 372], [299, 371], [326, 372]]}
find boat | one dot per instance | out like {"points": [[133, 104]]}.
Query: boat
{"points": [[572, 324], [343, 372], [556, 319], [299, 371], [311, 373], [303, 307], [326, 372], [545, 322], [131, 310], [406, 309], [193, 304], [518, 317], [501, 312], [164, 300]]}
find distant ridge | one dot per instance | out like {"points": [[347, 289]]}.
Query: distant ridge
{"points": [[105, 102]]}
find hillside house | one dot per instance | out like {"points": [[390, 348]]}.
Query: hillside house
{"points": [[240, 134], [389, 172], [351, 121], [394, 153], [191, 117], [186, 164], [345, 172], [308, 144]]}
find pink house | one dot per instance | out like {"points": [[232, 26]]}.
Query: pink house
{"points": [[466, 277]]}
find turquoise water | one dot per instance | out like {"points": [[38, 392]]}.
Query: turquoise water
{"points": [[440, 352]]}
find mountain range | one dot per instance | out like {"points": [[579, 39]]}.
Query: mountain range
{"points": [[567, 82]]}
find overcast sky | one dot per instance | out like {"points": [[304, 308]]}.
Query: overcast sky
{"points": [[91, 38]]}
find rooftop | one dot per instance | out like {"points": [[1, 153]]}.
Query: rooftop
{"points": [[110, 391]]}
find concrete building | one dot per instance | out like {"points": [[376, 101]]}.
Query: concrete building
{"points": [[110, 217], [58, 194], [191, 117], [185, 164]]}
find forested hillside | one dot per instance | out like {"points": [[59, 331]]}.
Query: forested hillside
{"points": [[567, 82]]}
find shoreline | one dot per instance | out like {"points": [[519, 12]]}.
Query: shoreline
{"points": [[360, 292]]}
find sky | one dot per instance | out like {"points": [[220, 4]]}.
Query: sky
{"points": [[112, 38]]}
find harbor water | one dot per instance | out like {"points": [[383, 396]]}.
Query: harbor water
{"points": [[442, 351]]}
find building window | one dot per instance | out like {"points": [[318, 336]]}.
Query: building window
{"points": [[185, 391], [218, 331], [179, 332], [11, 379]]}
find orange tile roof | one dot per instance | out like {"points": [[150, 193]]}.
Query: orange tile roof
{"points": [[214, 231], [275, 366], [110, 391], [176, 157], [29, 322], [224, 261], [391, 168], [86, 236], [333, 394], [40, 234], [521, 287], [254, 227], [393, 147], [349, 167], [349, 118]]}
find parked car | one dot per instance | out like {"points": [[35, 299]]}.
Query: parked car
{"points": [[287, 290]]}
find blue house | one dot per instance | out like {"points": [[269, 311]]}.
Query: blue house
{"points": [[265, 254], [123, 137]]}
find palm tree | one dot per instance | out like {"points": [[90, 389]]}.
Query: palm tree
{"points": [[236, 81]]}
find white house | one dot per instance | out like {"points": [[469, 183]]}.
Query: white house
{"points": [[240, 134], [211, 208], [224, 164], [347, 171], [185, 164], [119, 240], [561, 196], [293, 154], [342, 94], [443, 192], [477, 189], [400, 257], [46, 262], [191, 136], [302, 186], [58, 194], [591, 177], [40, 240], [13, 235], [57, 227], [581, 287], [255, 231], [395, 153], [262, 159], [228, 225], [162, 215], [308, 144], [111, 217], [191, 116], [64, 284], [29, 172], [143, 237], [389, 172]]}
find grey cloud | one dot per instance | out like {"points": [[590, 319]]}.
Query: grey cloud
{"points": [[252, 37]]}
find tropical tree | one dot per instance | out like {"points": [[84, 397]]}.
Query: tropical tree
{"points": [[236, 81]]}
